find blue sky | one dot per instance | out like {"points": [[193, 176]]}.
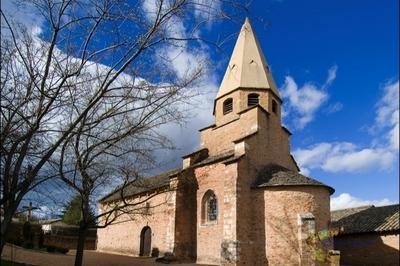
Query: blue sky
{"points": [[357, 44], [361, 39], [336, 64]]}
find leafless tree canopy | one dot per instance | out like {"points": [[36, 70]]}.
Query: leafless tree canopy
{"points": [[81, 97]]}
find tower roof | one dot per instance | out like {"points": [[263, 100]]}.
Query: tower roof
{"points": [[247, 67]]}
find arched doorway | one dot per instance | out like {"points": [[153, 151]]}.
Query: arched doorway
{"points": [[145, 241]]}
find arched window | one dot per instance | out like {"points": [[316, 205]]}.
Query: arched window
{"points": [[228, 106], [252, 99], [209, 208], [274, 107]]}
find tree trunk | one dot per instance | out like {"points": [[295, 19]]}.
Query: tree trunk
{"points": [[81, 243], [83, 228], [5, 223]]}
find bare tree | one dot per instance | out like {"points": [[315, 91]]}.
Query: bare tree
{"points": [[116, 141], [81, 98]]}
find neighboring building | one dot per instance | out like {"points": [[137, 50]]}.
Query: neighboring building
{"points": [[48, 224], [240, 199], [368, 235]]}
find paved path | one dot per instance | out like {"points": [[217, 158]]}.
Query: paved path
{"points": [[91, 258]]}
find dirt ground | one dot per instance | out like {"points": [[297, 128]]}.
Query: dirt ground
{"points": [[91, 258]]}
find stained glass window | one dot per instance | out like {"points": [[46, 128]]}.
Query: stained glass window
{"points": [[212, 208], [209, 208]]}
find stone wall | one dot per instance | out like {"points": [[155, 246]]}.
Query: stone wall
{"points": [[282, 207], [123, 236], [220, 139], [239, 98], [217, 238], [270, 144], [368, 249], [250, 214], [230, 246], [69, 242], [186, 216]]}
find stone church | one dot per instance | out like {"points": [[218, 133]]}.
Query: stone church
{"points": [[239, 199]]}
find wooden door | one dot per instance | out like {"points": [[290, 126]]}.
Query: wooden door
{"points": [[145, 241]]}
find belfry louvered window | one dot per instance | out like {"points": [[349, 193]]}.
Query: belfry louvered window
{"points": [[227, 106], [252, 99], [274, 107]]}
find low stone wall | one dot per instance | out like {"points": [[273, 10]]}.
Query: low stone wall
{"points": [[16, 235], [368, 249], [69, 242], [61, 236]]}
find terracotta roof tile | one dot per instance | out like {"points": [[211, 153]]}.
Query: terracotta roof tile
{"points": [[274, 175], [146, 184], [367, 219], [142, 185]]}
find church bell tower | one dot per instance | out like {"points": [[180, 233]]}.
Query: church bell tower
{"points": [[247, 81]]}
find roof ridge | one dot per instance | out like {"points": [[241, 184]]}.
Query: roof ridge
{"points": [[141, 178], [355, 208], [367, 206]]}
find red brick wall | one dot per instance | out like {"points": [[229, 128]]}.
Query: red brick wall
{"points": [[368, 249], [123, 236], [220, 179], [282, 206], [219, 139], [186, 217]]}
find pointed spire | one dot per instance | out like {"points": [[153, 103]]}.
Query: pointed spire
{"points": [[247, 67]]}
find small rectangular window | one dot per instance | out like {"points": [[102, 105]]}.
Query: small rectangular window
{"points": [[227, 106]]}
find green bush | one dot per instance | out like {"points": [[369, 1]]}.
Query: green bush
{"points": [[73, 211], [27, 232], [28, 245], [51, 249], [62, 250], [17, 242]]}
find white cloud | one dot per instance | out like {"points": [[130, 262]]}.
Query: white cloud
{"points": [[183, 62], [342, 157], [207, 9], [331, 76], [180, 56], [348, 157], [345, 200], [184, 59], [387, 115], [303, 102], [21, 12], [359, 160], [388, 104], [333, 108], [393, 134]]}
